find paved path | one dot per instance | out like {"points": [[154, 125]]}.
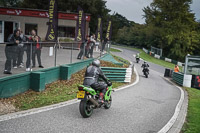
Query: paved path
{"points": [[143, 108], [63, 57]]}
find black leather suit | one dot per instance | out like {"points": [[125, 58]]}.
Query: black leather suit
{"points": [[92, 76]]}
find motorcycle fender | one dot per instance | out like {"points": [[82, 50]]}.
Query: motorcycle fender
{"points": [[108, 94]]}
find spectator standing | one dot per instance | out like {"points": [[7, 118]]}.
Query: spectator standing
{"points": [[176, 68], [104, 44], [83, 44], [92, 44], [11, 51], [37, 51], [31, 47], [21, 48]]}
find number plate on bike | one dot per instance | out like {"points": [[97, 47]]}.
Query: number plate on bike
{"points": [[81, 94]]}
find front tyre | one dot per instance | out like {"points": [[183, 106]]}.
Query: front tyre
{"points": [[108, 103], [85, 108]]}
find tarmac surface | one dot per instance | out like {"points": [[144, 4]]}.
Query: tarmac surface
{"points": [[143, 108]]}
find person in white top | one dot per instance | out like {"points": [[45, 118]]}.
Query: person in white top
{"points": [[92, 44]]}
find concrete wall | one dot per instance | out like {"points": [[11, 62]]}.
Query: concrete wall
{"points": [[36, 80]]}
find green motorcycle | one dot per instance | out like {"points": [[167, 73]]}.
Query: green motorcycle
{"points": [[89, 100]]}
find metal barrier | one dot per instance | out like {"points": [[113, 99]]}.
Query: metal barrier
{"points": [[178, 78], [118, 74], [52, 54]]}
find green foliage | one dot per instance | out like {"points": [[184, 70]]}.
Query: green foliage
{"points": [[114, 50], [193, 117], [9, 3], [170, 25], [149, 58], [93, 7]]}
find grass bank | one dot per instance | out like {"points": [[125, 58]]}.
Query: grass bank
{"points": [[114, 50], [56, 92], [192, 124], [149, 58]]}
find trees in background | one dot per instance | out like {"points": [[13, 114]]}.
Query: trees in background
{"points": [[93, 7], [170, 25]]}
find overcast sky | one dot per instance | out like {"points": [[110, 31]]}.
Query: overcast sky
{"points": [[132, 9]]}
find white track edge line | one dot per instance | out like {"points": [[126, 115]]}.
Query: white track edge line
{"points": [[55, 106], [171, 122]]}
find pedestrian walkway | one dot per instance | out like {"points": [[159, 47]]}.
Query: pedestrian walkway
{"points": [[63, 57]]}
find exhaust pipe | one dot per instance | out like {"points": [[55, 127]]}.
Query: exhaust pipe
{"points": [[94, 102]]}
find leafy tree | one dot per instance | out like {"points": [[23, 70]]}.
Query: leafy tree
{"points": [[9, 3], [175, 24]]}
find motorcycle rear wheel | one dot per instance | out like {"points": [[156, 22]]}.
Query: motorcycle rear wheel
{"points": [[146, 75], [85, 108]]}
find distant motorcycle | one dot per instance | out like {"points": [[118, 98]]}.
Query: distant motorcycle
{"points": [[137, 59]]}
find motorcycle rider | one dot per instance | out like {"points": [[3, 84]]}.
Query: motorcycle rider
{"points": [[145, 66], [92, 75], [137, 57]]}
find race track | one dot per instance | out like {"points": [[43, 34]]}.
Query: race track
{"points": [[143, 108]]}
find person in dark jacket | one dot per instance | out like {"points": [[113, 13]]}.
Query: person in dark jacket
{"points": [[92, 44], [83, 45], [104, 44], [145, 66], [37, 51], [11, 51], [21, 49], [92, 75]]}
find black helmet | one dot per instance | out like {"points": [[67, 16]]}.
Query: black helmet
{"points": [[96, 63], [145, 62]]}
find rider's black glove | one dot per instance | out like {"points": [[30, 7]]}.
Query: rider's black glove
{"points": [[109, 83]]}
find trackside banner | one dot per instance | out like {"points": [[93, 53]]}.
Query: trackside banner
{"points": [[52, 31], [80, 25], [109, 30], [99, 30]]}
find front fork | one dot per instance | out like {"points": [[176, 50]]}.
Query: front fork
{"points": [[108, 94]]}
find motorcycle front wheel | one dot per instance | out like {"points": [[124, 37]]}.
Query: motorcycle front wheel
{"points": [[108, 103], [85, 108]]}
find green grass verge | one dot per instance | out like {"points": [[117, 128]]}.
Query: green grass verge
{"points": [[56, 92], [192, 124], [149, 58], [121, 60], [114, 50]]}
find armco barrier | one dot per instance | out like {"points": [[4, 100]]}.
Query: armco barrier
{"points": [[178, 78], [162, 58], [118, 74]]}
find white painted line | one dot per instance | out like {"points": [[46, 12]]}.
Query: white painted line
{"points": [[51, 107], [36, 110], [171, 122]]}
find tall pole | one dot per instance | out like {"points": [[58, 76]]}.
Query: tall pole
{"points": [[55, 61]]}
